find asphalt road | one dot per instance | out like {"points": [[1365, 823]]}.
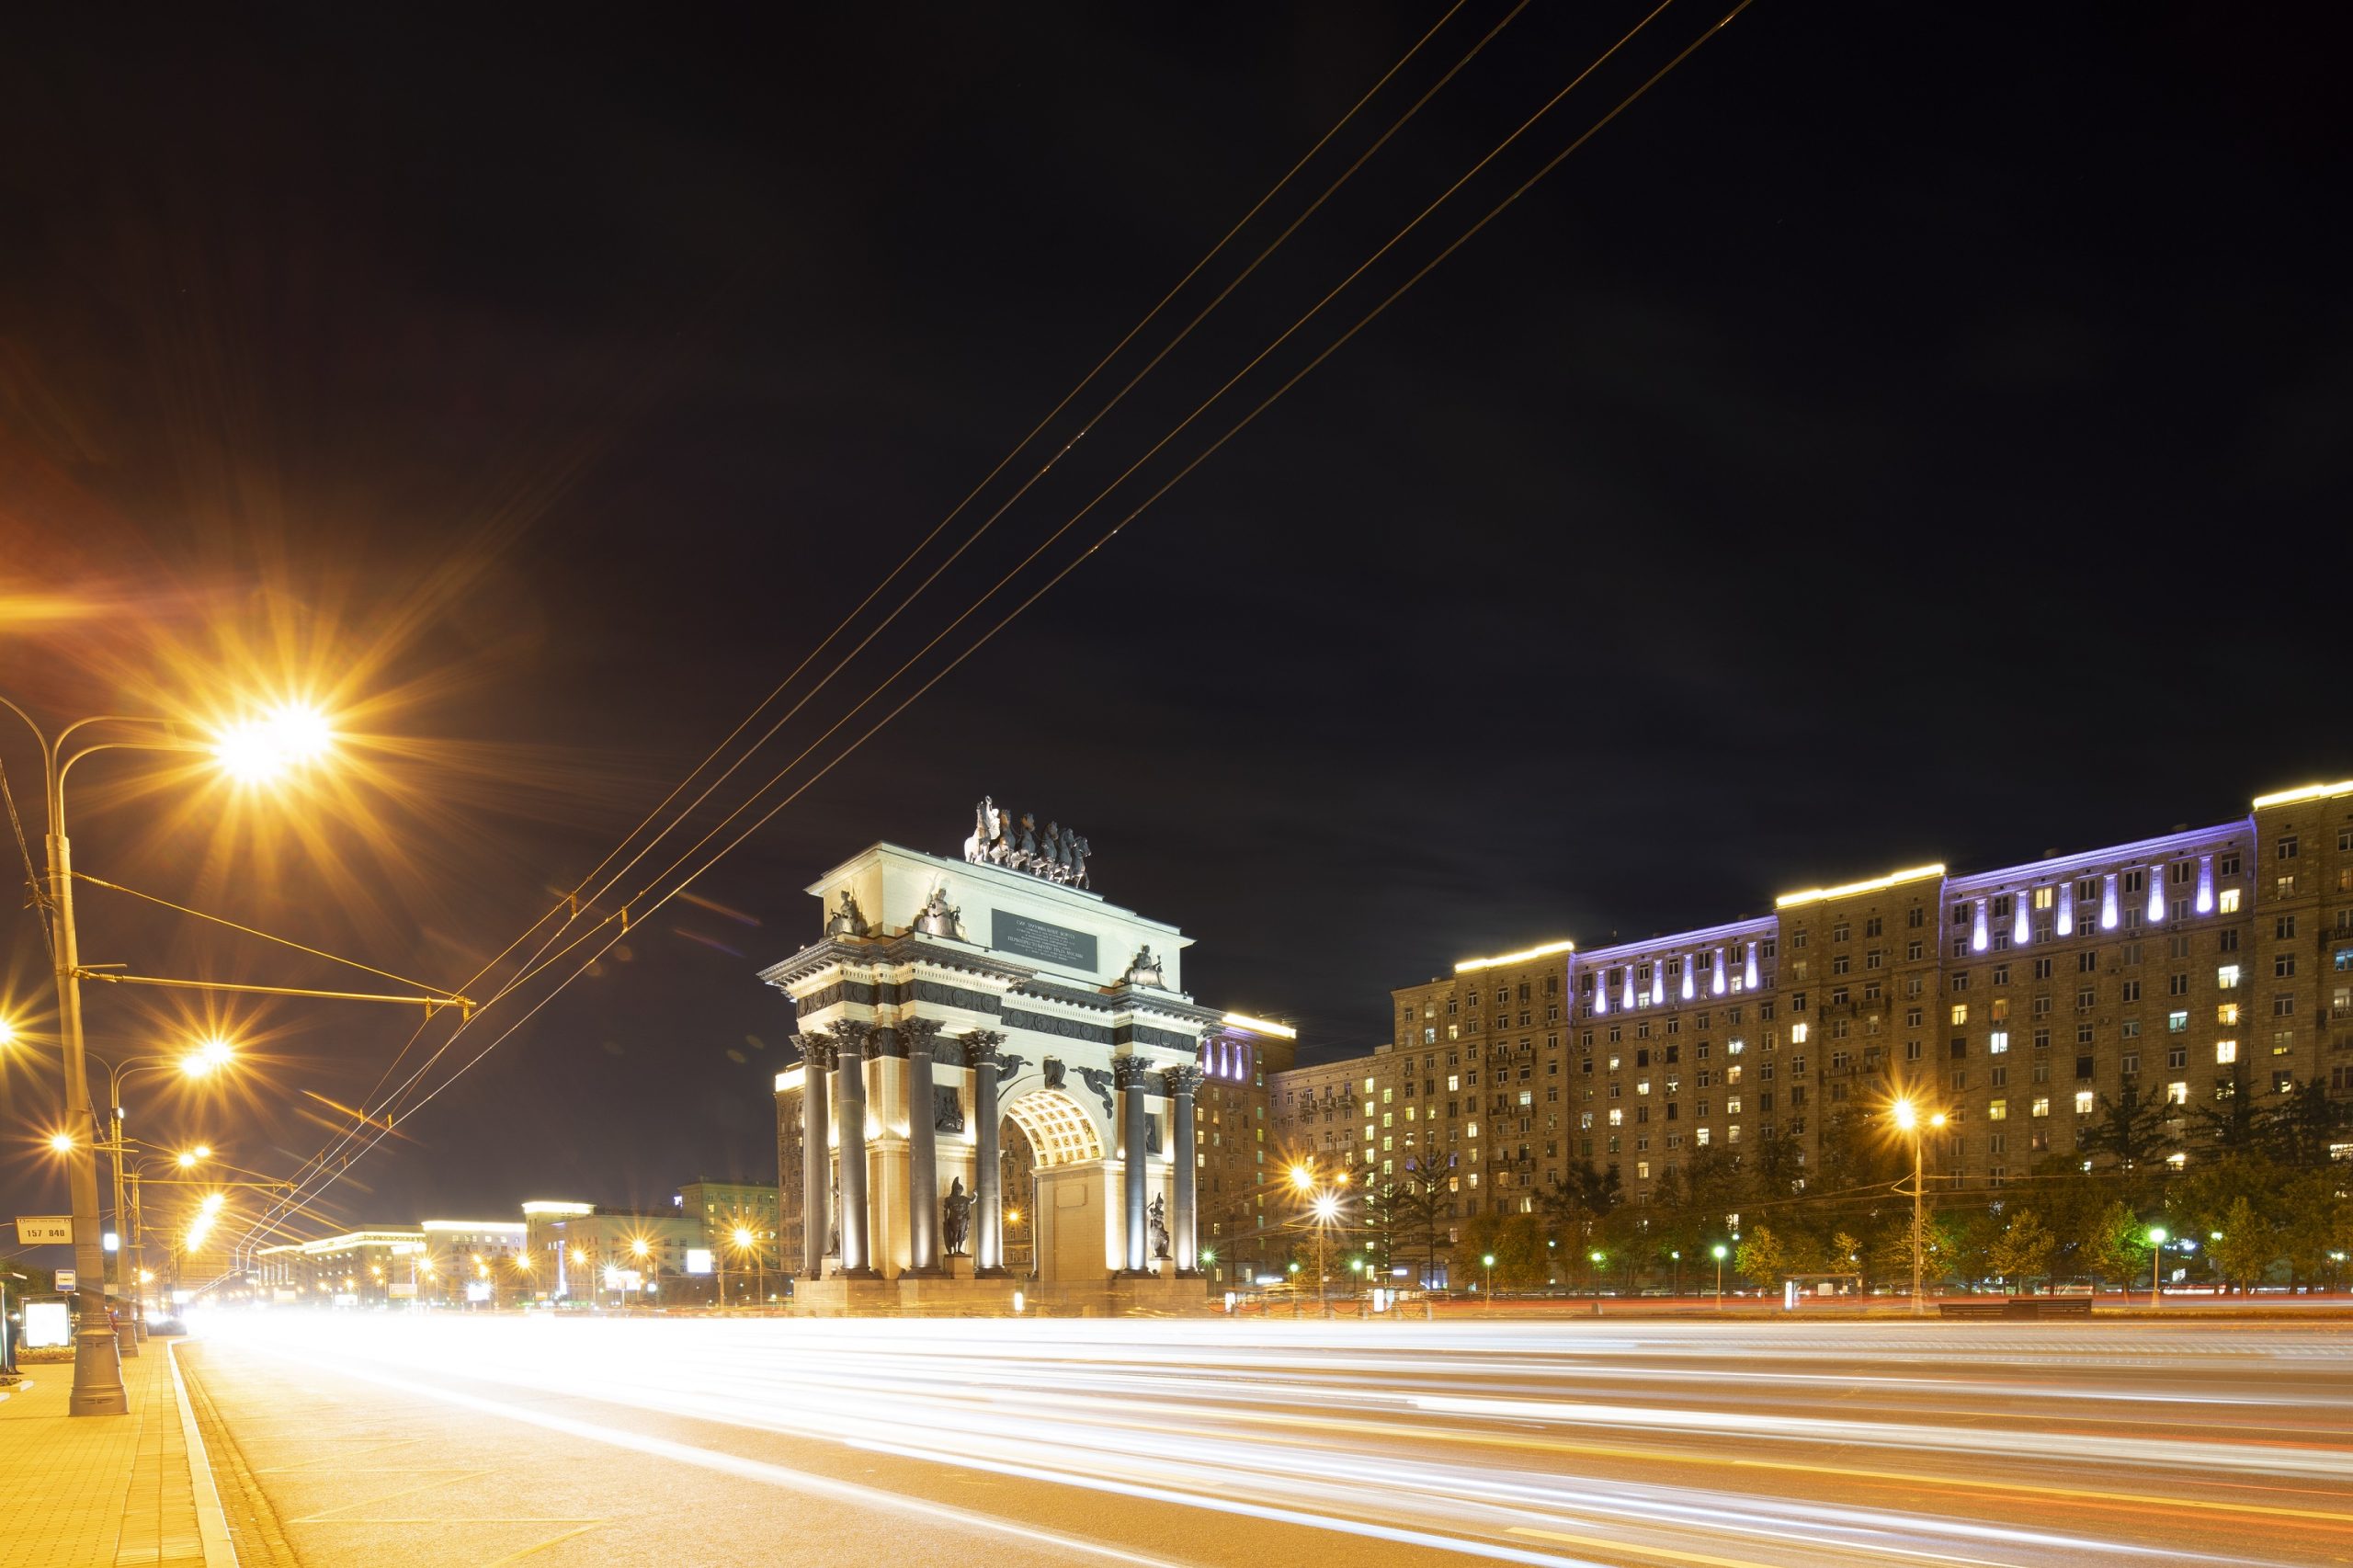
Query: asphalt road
{"points": [[1667, 1444]]}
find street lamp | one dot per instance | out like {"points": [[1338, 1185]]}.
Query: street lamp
{"points": [[2156, 1258], [1720, 1249], [1909, 1119], [284, 738], [1487, 1281], [201, 1061]]}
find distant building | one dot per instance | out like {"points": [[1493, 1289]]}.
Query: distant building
{"points": [[587, 1252], [370, 1267], [726, 1207], [1240, 1171], [2189, 968]]}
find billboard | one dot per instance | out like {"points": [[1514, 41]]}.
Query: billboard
{"points": [[48, 1325]]}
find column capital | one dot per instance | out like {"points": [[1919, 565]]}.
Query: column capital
{"points": [[1182, 1081], [1130, 1072], [980, 1046], [818, 1049], [918, 1037], [859, 1041]]}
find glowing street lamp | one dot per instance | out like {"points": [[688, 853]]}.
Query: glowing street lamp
{"points": [[1720, 1250], [288, 736], [61, 1142], [1487, 1282], [1910, 1119], [2156, 1259]]}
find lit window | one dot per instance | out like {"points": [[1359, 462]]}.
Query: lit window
{"points": [[2227, 977], [1797, 1034], [2041, 1106], [2227, 1013], [1998, 1110], [1961, 1013], [2084, 1101], [2226, 1051], [1999, 1043], [2178, 1093], [2177, 1022], [2229, 901]]}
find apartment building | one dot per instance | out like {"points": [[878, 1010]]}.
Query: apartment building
{"points": [[2197, 965]]}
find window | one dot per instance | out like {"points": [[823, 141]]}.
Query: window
{"points": [[2285, 849], [1998, 1110], [2040, 1107], [2130, 991], [1997, 1042], [2225, 1052], [2085, 1101], [1960, 1014], [2283, 966]]}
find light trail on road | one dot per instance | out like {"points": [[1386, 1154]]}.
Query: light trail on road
{"points": [[1730, 1445]]}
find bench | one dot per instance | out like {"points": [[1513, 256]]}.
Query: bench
{"points": [[2020, 1307]]}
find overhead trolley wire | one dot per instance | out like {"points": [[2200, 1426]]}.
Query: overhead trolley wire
{"points": [[571, 906], [1379, 309]]}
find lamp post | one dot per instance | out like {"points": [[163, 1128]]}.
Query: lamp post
{"points": [[1720, 1249], [252, 751], [1487, 1282], [1323, 1207], [1678, 1256], [2156, 1259], [195, 1064], [1909, 1119]]}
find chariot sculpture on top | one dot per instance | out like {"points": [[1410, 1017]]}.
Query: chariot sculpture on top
{"points": [[1058, 855]]}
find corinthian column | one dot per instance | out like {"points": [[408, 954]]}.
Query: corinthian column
{"points": [[1182, 1229], [988, 1207], [818, 1053], [1131, 1074], [923, 1148], [849, 1110]]}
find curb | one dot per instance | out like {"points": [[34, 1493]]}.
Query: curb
{"points": [[212, 1524]]}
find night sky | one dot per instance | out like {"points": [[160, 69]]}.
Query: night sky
{"points": [[1900, 436]]}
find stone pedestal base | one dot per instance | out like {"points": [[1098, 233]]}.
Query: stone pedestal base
{"points": [[959, 1267], [911, 1295]]}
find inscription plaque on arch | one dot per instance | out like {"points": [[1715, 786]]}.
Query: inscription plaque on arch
{"points": [[1024, 938]]}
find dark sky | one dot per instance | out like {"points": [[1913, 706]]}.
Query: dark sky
{"points": [[1901, 435]]}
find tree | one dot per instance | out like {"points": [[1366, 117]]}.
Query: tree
{"points": [[2315, 1225], [1779, 1170], [2303, 1127], [2230, 1125], [1578, 1202], [2131, 1138], [1515, 1240], [2246, 1248], [2116, 1245], [1759, 1256], [2022, 1253], [1423, 1213]]}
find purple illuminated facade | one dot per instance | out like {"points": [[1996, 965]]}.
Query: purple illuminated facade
{"points": [[2197, 964]]}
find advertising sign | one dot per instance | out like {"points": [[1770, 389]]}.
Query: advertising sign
{"points": [[65, 1280], [44, 1229], [697, 1260], [48, 1325]]}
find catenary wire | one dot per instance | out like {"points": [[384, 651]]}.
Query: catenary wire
{"points": [[573, 901], [1488, 218]]}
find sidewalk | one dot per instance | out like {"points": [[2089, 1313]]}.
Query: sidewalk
{"points": [[105, 1489]]}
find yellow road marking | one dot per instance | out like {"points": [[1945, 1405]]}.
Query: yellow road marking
{"points": [[387, 1497], [551, 1540]]}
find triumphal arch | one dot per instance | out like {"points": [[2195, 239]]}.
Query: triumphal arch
{"points": [[996, 1087]]}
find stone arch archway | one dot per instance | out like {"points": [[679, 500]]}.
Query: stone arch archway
{"points": [[1064, 1197], [1058, 1128]]}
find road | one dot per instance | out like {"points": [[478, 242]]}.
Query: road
{"points": [[1667, 1444]]}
